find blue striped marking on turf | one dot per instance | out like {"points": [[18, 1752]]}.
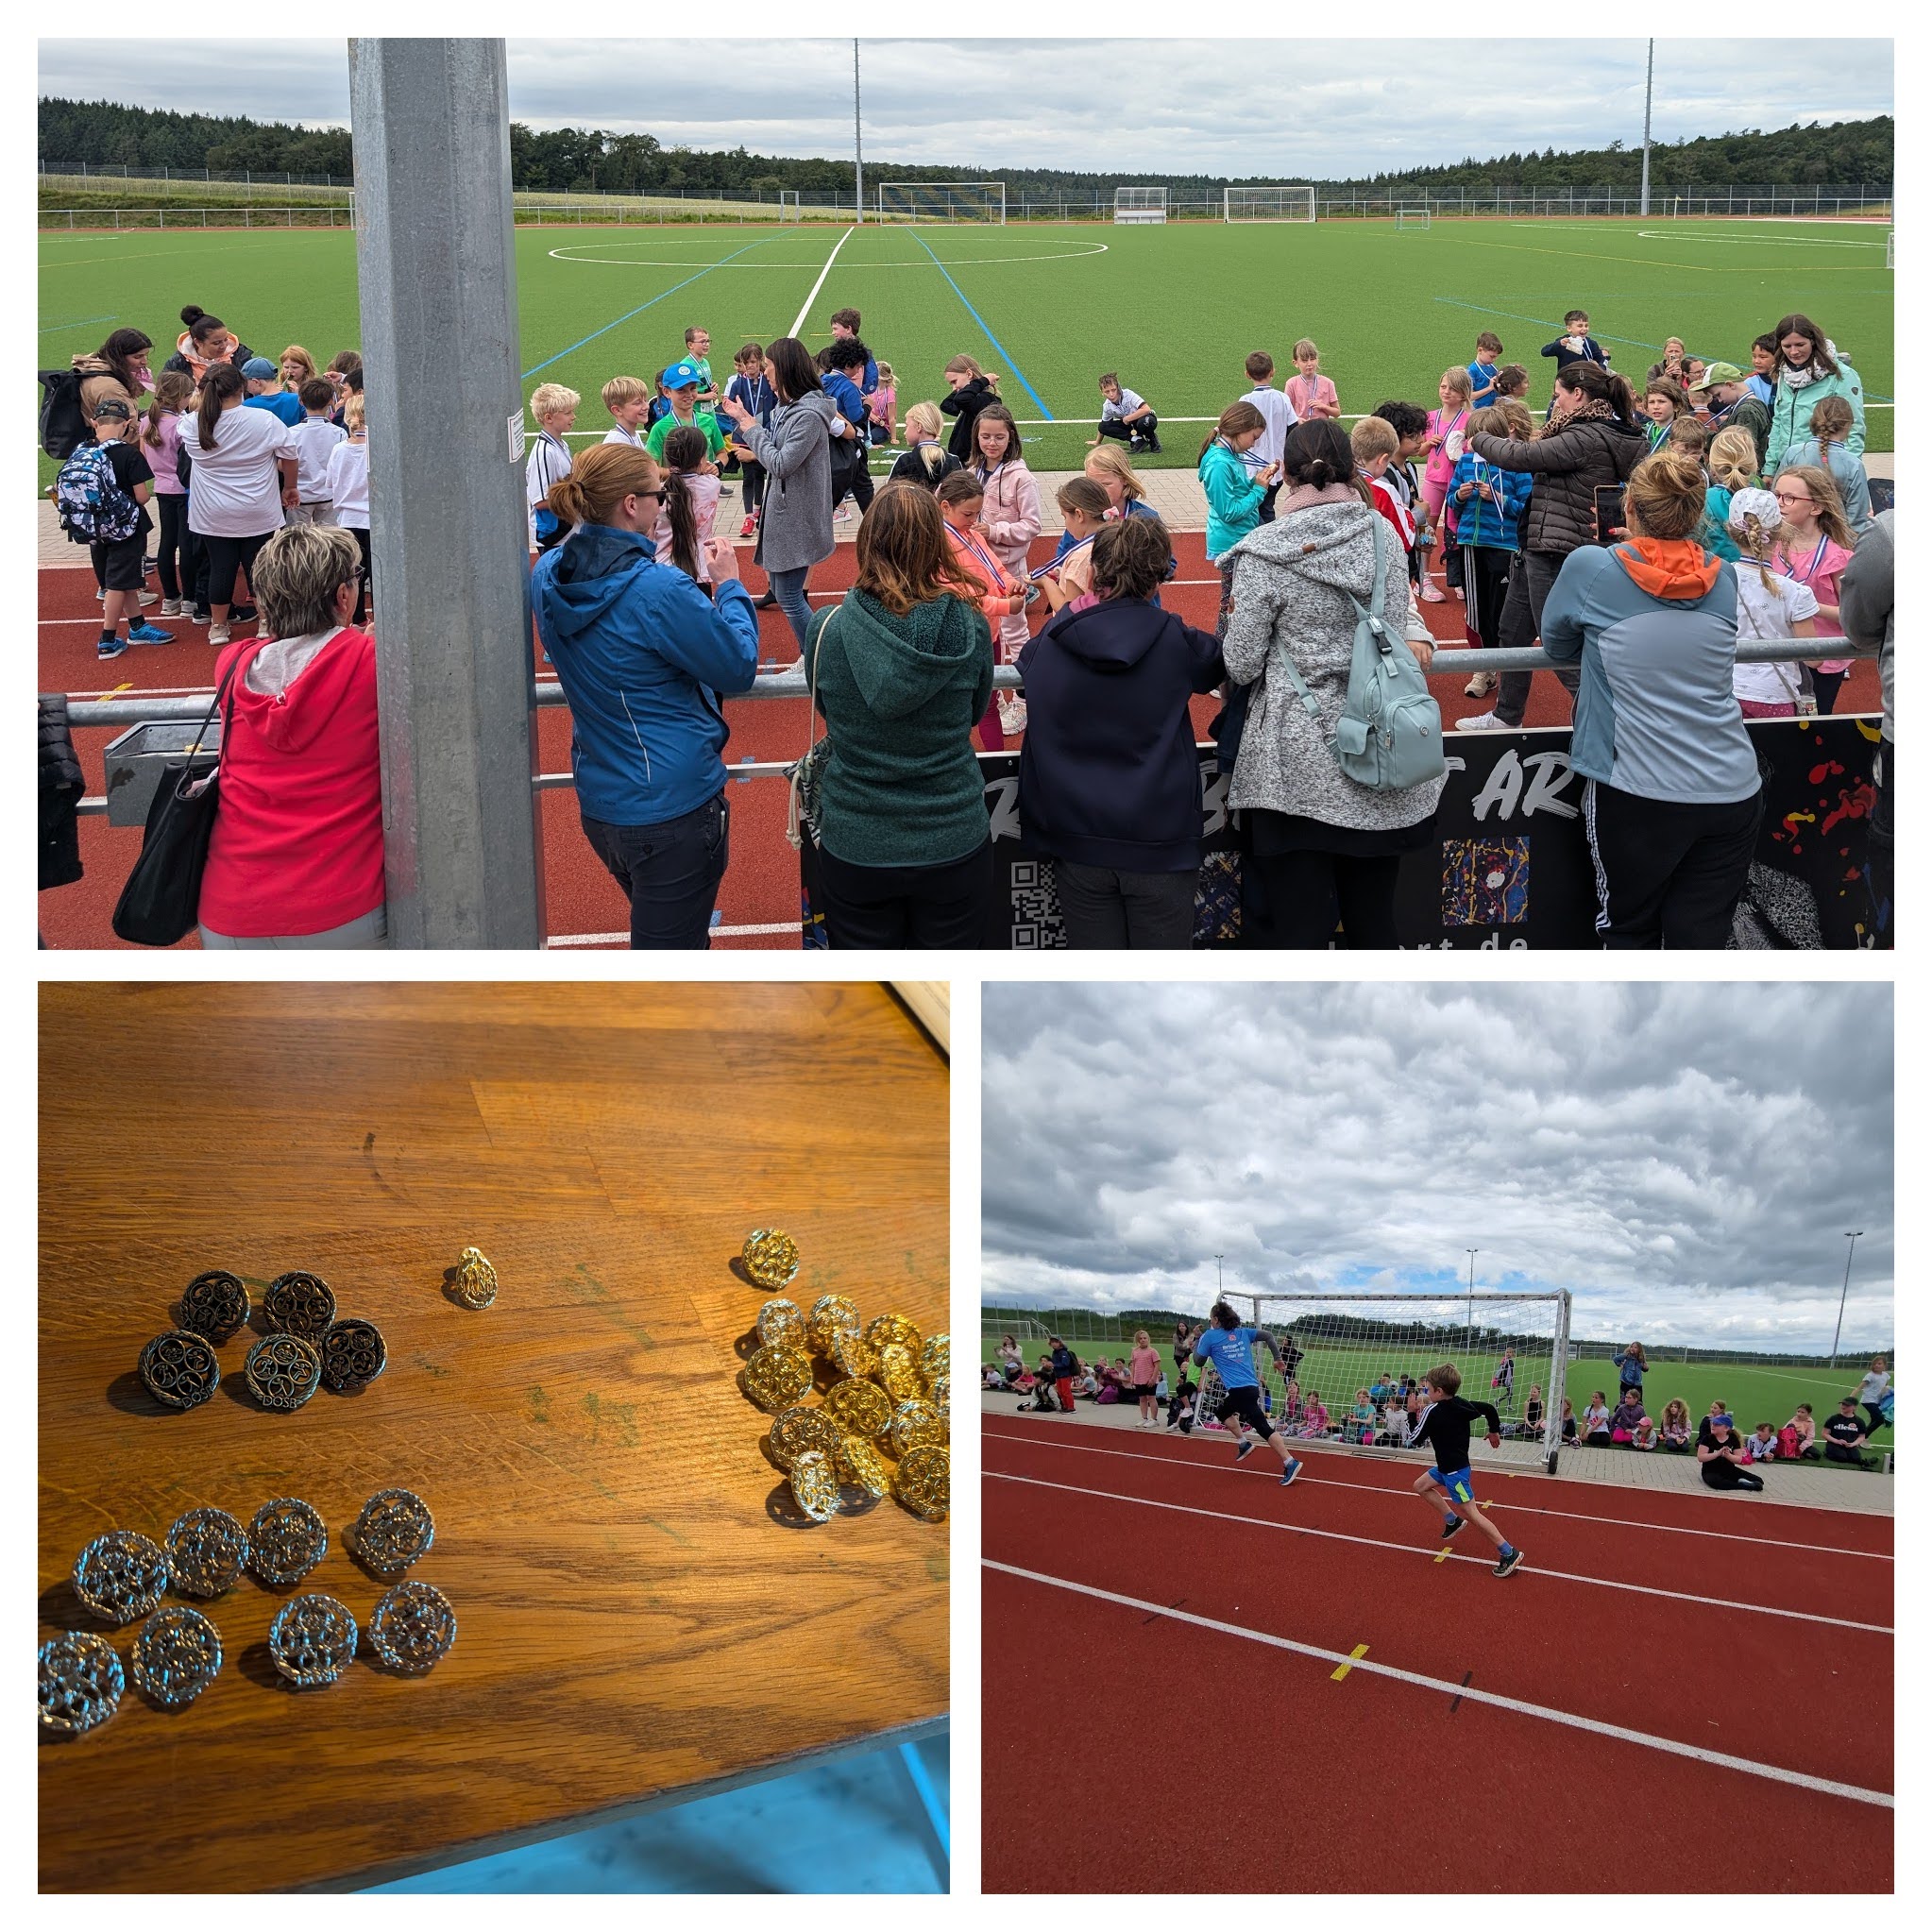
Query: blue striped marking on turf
{"points": [[1543, 322], [998, 343], [56, 328], [642, 306]]}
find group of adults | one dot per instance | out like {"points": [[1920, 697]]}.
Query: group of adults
{"points": [[901, 671]]}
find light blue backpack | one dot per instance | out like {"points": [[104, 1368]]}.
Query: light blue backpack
{"points": [[1389, 735]]}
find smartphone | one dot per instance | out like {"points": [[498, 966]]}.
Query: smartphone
{"points": [[1610, 515]]}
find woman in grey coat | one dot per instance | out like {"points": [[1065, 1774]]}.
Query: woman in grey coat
{"points": [[1321, 845], [795, 525]]}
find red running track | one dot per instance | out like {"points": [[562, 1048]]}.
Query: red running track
{"points": [[1374, 1782], [758, 903]]}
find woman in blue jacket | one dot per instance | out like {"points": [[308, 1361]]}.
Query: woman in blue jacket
{"points": [[1110, 780], [1234, 491], [643, 656]]}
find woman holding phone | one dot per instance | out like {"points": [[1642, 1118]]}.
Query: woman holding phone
{"points": [[1593, 440]]}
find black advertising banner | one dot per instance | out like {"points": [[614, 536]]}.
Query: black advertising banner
{"points": [[1510, 870]]}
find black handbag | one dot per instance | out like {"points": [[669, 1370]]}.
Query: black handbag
{"points": [[162, 901]]}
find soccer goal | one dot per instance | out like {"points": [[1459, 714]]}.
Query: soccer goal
{"points": [[923, 201], [789, 205], [1335, 1344], [1888, 248], [1139, 205], [1267, 204], [1417, 218]]}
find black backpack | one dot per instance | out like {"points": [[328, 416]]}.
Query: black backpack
{"points": [[63, 429]]}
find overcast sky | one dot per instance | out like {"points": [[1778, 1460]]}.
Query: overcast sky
{"points": [[1284, 109], [1685, 1159]]}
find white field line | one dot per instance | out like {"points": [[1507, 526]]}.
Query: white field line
{"points": [[1776, 1773], [798, 320], [1599, 1583], [624, 939], [1380, 1489]]}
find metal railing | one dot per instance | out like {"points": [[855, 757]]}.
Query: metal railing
{"points": [[190, 708], [242, 215]]}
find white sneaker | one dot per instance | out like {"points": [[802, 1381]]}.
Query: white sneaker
{"points": [[217, 635], [1481, 685], [1483, 720], [172, 606]]}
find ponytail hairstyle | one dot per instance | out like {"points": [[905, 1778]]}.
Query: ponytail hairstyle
{"points": [[1831, 422], [996, 412], [1733, 459], [923, 419], [1113, 460], [965, 366], [1512, 379], [1319, 455], [1665, 497], [1831, 506], [684, 449], [598, 481], [1236, 420], [353, 413], [1597, 384], [202, 326], [1758, 537], [172, 390], [222, 380]]}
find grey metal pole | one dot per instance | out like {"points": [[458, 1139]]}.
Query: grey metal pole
{"points": [[1650, 67], [1470, 1323], [455, 677], [858, 146], [1852, 1235], [1217, 1277]]}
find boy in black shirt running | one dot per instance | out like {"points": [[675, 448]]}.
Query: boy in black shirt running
{"points": [[1444, 1424]]}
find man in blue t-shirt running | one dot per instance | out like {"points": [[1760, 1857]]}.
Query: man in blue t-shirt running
{"points": [[1231, 1347]]}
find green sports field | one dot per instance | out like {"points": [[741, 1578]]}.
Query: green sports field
{"points": [[1173, 309], [1755, 1393]]}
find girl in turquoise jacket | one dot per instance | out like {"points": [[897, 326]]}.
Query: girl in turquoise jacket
{"points": [[1234, 491], [1808, 371]]}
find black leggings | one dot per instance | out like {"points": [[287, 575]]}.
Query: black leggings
{"points": [[1718, 1474], [225, 555], [754, 483], [173, 544], [366, 590], [1305, 889]]}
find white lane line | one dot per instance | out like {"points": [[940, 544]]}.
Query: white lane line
{"points": [[1433, 1550], [1189, 1462], [1469, 1692], [624, 939], [798, 320]]}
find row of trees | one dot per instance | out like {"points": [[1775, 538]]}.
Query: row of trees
{"points": [[575, 160]]}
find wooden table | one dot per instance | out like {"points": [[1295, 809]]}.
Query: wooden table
{"points": [[639, 1620]]}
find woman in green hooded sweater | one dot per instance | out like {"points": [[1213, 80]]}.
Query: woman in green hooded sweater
{"points": [[902, 671]]}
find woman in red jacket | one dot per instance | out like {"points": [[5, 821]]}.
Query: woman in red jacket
{"points": [[296, 860]]}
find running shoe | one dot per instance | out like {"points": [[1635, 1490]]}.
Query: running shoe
{"points": [[217, 635], [242, 613], [1246, 1449], [1483, 721], [1449, 1528], [1289, 1474], [1481, 685], [145, 632], [749, 527], [1431, 594], [106, 648], [173, 607], [1507, 1567]]}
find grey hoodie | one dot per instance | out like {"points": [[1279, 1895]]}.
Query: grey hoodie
{"points": [[1292, 582], [795, 525]]}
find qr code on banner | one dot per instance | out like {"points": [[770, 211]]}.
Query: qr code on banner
{"points": [[1036, 908]]}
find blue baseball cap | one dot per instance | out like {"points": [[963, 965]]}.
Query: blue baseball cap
{"points": [[681, 376], [259, 369]]}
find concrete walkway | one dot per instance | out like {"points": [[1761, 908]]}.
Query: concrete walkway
{"points": [[1792, 1484]]}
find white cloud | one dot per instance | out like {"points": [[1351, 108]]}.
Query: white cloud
{"points": [[1285, 108], [1684, 1158]]}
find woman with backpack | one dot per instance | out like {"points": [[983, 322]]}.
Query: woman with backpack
{"points": [[1673, 794], [118, 368], [1593, 440], [1321, 842]]}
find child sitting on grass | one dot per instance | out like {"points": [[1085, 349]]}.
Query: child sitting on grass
{"points": [[1675, 1433], [1314, 1416], [1448, 1489]]}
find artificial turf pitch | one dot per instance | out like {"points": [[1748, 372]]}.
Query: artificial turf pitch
{"points": [[1173, 309]]}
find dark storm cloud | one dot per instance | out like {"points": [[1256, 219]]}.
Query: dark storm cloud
{"points": [[1287, 108], [1684, 1158]]}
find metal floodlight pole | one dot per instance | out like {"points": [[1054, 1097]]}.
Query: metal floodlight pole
{"points": [[858, 146], [1650, 68], [1852, 1235], [454, 667]]}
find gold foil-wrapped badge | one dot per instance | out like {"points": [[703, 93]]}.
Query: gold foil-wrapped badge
{"points": [[771, 1258], [815, 1484], [776, 1377], [923, 1483]]}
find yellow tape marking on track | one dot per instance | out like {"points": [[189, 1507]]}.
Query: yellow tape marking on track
{"points": [[1442, 1554], [114, 693], [1336, 1675]]}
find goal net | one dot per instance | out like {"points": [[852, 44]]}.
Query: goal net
{"points": [[1412, 217], [1267, 204], [788, 209], [1139, 204], [982, 202], [1510, 1349]]}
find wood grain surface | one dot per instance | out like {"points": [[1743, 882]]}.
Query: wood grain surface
{"points": [[638, 1612]]}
